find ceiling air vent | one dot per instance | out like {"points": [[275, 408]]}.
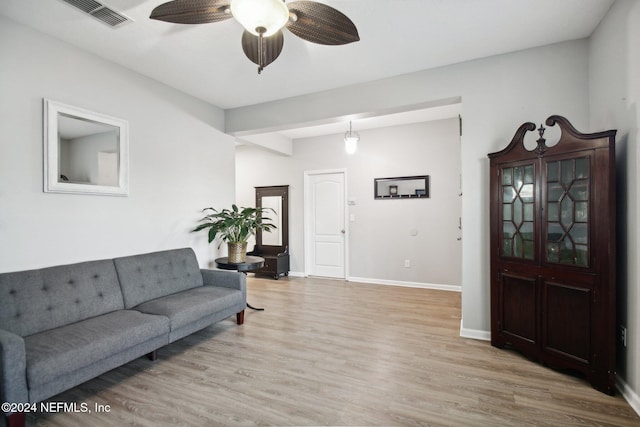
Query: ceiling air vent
{"points": [[100, 11]]}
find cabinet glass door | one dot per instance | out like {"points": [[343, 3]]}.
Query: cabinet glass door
{"points": [[567, 206], [518, 207]]}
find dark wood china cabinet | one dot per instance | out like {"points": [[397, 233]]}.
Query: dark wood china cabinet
{"points": [[553, 245]]}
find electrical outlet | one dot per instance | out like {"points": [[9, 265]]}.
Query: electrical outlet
{"points": [[623, 335], [407, 263]]}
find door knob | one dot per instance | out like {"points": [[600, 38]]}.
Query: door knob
{"points": [[342, 231]]}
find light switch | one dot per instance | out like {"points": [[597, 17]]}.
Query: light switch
{"points": [[352, 217]]}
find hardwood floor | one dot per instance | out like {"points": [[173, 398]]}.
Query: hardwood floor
{"points": [[329, 352]]}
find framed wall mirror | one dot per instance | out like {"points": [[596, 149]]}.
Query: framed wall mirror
{"points": [[84, 152], [405, 187], [274, 197]]}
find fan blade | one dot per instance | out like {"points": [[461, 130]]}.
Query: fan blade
{"points": [[271, 48], [322, 24], [192, 11]]}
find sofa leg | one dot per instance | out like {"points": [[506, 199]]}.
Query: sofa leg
{"points": [[240, 317], [17, 419], [153, 355]]}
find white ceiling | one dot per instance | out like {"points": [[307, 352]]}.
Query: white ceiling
{"points": [[397, 37]]}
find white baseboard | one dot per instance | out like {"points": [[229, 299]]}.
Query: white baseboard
{"points": [[476, 334], [452, 288], [629, 394], [297, 274]]}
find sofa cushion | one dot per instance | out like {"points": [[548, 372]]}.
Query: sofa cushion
{"points": [[192, 305], [36, 300], [150, 276], [58, 352]]}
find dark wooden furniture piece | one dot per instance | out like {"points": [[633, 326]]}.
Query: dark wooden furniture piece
{"points": [[553, 231], [251, 263], [274, 246]]}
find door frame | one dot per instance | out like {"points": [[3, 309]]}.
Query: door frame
{"points": [[307, 218]]}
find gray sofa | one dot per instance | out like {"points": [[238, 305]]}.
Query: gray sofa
{"points": [[61, 326]]}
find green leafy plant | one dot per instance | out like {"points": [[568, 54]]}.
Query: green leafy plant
{"points": [[235, 225]]}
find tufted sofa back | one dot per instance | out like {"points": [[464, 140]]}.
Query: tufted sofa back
{"points": [[150, 276], [37, 300]]}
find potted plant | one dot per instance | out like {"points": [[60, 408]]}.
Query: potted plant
{"points": [[235, 226]]}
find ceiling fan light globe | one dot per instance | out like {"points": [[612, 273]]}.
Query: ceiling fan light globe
{"points": [[267, 15]]}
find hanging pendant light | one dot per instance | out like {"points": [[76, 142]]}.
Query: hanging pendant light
{"points": [[351, 140]]}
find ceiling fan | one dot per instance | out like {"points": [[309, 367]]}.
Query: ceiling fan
{"points": [[263, 21]]}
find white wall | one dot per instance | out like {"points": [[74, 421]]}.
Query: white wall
{"points": [[614, 82], [180, 162], [498, 95], [380, 237]]}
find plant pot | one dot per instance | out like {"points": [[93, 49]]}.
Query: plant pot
{"points": [[237, 252]]}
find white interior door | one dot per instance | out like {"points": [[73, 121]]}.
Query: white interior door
{"points": [[325, 218]]}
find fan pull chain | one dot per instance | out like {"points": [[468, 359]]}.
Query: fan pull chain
{"points": [[261, 53]]}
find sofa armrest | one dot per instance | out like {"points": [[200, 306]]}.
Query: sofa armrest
{"points": [[13, 369], [225, 279]]}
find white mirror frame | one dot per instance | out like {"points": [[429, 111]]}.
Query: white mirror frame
{"points": [[52, 110]]}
